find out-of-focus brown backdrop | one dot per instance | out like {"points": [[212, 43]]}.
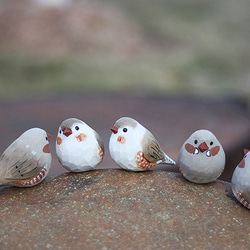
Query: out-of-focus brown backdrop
{"points": [[175, 66]]}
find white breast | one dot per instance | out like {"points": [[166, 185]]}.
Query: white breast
{"points": [[124, 154], [78, 156]]}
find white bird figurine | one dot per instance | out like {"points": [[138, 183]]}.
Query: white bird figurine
{"points": [[78, 147], [201, 158], [241, 180], [133, 147], [27, 161]]}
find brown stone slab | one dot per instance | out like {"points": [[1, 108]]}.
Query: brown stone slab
{"points": [[117, 209]]}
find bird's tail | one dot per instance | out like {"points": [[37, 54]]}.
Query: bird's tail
{"points": [[169, 160], [242, 199]]}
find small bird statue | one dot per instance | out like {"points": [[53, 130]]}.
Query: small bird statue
{"points": [[78, 147], [201, 158], [133, 147], [241, 180], [27, 161]]}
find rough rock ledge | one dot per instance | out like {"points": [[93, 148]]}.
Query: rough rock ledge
{"points": [[116, 209]]}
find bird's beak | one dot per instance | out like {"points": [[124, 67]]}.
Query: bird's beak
{"points": [[67, 132], [49, 136], [203, 147], [114, 129], [246, 151]]}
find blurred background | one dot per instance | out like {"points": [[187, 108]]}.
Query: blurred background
{"points": [[59, 57]]}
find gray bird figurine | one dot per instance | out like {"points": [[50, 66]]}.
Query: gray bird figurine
{"points": [[27, 161], [201, 158], [241, 180]]}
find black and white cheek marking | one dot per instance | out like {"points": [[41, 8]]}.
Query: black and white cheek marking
{"points": [[208, 154], [196, 151]]}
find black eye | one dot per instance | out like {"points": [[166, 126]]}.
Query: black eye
{"points": [[125, 130], [46, 138], [211, 143], [76, 127], [195, 142]]}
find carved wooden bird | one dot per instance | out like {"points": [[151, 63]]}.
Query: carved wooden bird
{"points": [[27, 161], [133, 147], [78, 147], [201, 158], [241, 180]]}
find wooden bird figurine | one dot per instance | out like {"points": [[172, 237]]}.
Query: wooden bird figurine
{"points": [[201, 158], [241, 180], [27, 161], [133, 147], [79, 148]]}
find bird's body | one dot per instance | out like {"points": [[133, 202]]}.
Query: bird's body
{"points": [[27, 161], [201, 158], [241, 180], [133, 147], [79, 148]]}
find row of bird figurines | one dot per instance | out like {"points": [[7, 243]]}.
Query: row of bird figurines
{"points": [[27, 161]]}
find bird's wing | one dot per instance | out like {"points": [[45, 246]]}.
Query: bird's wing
{"points": [[151, 148], [100, 141], [19, 162]]}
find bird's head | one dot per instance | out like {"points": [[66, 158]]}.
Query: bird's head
{"points": [[124, 127], [202, 141], [37, 138], [72, 128]]}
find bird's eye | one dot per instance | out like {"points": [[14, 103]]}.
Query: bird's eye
{"points": [[211, 143], [196, 141], [125, 130], [60, 131], [46, 138], [76, 127]]}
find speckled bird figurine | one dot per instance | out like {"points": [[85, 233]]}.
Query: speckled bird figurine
{"points": [[78, 147], [27, 161], [241, 180], [133, 147], [201, 158]]}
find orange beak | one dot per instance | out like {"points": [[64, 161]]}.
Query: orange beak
{"points": [[203, 147], [67, 132], [114, 129], [49, 136], [246, 151]]}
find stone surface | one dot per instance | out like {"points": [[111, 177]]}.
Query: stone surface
{"points": [[117, 209]]}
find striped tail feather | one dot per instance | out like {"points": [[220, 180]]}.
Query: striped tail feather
{"points": [[240, 197]]}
